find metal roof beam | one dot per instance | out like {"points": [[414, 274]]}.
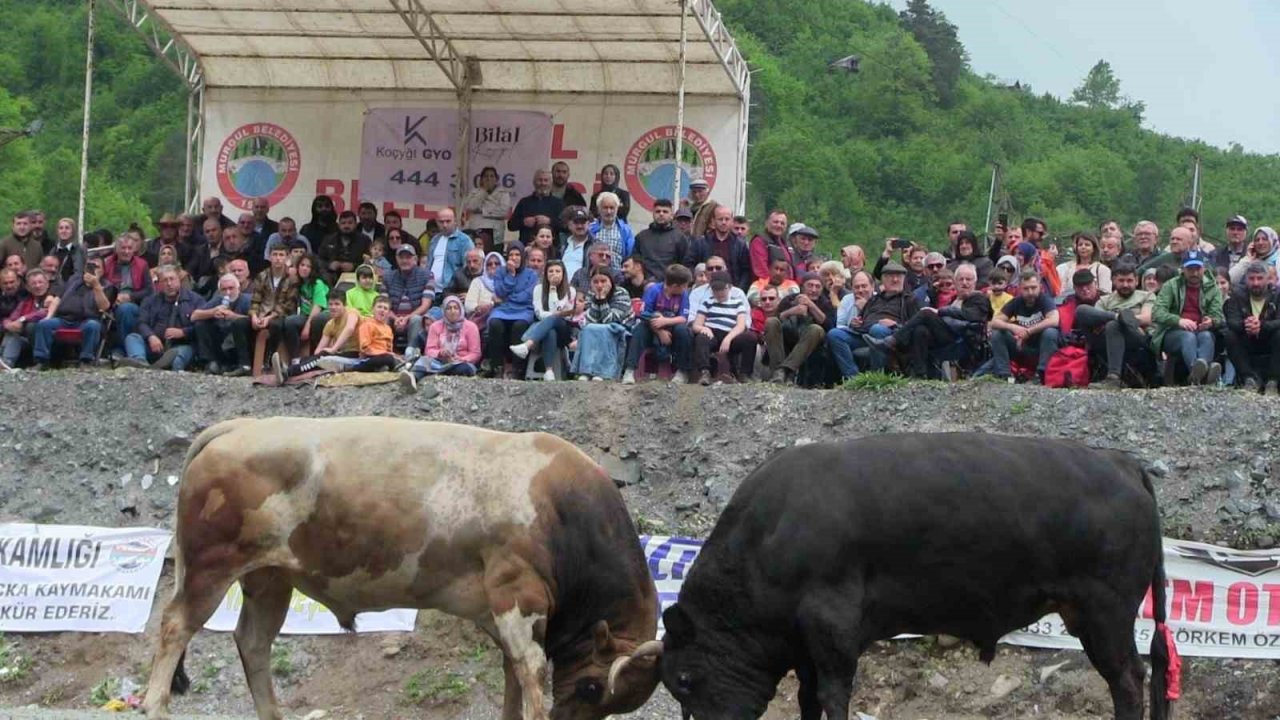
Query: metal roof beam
{"points": [[162, 40], [718, 35], [424, 27]]}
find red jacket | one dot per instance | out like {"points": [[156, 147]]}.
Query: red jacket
{"points": [[139, 276], [760, 247], [29, 310]]}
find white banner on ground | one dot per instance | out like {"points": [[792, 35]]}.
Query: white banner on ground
{"points": [[1222, 602], [308, 617], [72, 577]]}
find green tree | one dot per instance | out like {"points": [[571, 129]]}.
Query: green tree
{"points": [[1100, 88], [938, 37]]}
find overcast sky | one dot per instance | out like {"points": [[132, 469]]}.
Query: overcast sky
{"points": [[1205, 68]]}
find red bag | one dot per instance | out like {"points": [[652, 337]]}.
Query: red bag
{"points": [[1068, 368]]}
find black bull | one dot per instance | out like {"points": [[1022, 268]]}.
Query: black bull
{"points": [[826, 549]]}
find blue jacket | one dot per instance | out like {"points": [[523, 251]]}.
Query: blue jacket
{"points": [[628, 237], [516, 293], [455, 255]]}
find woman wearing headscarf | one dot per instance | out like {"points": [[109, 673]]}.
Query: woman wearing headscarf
{"points": [[610, 179], [453, 347], [513, 312], [480, 299]]}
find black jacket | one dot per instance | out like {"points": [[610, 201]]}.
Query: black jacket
{"points": [[530, 206], [900, 307], [739, 262], [659, 247], [1238, 307]]}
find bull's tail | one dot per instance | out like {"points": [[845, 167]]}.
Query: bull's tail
{"points": [[181, 682], [1166, 666]]}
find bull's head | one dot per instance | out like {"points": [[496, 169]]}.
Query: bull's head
{"points": [[616, 677], [707, 671]]}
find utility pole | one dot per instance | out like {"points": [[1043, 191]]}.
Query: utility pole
{"points": [[991, 197], [1195, 184], [84, 140]]}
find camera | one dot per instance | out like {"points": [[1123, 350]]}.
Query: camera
{"points": [[901, 244]]}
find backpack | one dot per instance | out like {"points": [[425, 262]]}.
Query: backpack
{"points": [[1068, 368]]}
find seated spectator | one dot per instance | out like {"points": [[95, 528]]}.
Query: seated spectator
{"points": [[20, 324], [447, 252], [769, 246], [412, 294], [934, 329], [801, 325], [512, 313], [602, 338], [998, 289], [634, 279], [1253, 329], [1265, 248], [453, 347], [598, 255], [460, 283], [275, 297], [166, 333], [1187, 311], [967, 251], [544, 238], [302, 329], [11, 292], [554, 305], [940, 291], [81, 306], [1087, 257], [661, 244], [339, 347], [835, 281], [214, 324], [684, 222], [377, 339], [480, 298], [664, 325], [720, 241], [880, 315], [49, 264], [127, 274], [286, 234], [779, 278], [722, 325], [701, 289], [360, 297], [1026, 325], [535, 258], [611, 230], [1111, 248], [15, 264], [342, 251], [862, 287], [1116, 323]]}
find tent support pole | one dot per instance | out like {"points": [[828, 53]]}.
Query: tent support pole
{"points": [[684, 41], [88, 100]]}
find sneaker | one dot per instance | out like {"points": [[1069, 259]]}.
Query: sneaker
{"points": [[411, 354], [584, 378], [1113, 382], [521, 351], [1215, 374], [598, 378], [629, 377], [680, 378], [213, 368], [133, 363], [1272, 388], [1199, 369], [1251, 384], [277, 368], [5, 367], [704, 378], [549, 376], [242, 371], [408, 382]]}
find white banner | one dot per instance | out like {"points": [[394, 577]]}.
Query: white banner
{"points": [[308, 617], [1222, 602], [72, 577]]}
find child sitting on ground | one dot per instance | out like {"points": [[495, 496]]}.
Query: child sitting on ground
{"points": [[339, 347]]}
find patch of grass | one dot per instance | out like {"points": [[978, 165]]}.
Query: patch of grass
{"points": [[14, 666], [281, 661], [650, 526], [1020, 407], [435, 686], [875, 381], [104, 692], [53, 696], [204, 680]]}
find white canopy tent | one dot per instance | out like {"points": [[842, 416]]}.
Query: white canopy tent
{"points": [[468, 47]]}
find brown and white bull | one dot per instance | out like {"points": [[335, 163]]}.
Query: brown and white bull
{"points": [[521, 533]]}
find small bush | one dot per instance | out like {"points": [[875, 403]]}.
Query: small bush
{"points": [[874, 381]]}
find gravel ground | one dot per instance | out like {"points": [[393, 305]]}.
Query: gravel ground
{"points": [[78, 447]]}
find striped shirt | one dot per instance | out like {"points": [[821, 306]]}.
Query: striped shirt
{"points": [[723, 315]]}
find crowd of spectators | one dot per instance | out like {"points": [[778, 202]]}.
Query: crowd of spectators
{"points": [[556, 285]]}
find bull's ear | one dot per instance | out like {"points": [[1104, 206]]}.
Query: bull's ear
{"points": [[603, 639], [678, 624]]}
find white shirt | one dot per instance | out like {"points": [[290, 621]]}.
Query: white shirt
{"points": [[575, 256], [437, 260]]}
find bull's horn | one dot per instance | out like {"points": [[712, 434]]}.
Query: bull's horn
{"points": [[648, 649]]}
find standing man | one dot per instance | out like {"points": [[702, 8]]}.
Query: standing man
{"points": [[803, 239], [1186, 313], [211, 208], [741, 226], [699, 194], [612, 230], [447, 252], [22, 242], [954, 228], [537, 208], [661, 244], [721, 242], [369, 225], [262, 224], [560, 187], [1237, 245], [770, 244]]}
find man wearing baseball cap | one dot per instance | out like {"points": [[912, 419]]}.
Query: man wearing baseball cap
{"points": [[412, 294], [1187, 311], [1237, 244]]}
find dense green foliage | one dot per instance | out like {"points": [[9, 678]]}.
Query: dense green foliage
{"points": [[899, 148]]}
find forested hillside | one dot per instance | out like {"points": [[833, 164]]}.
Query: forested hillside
{"points": [[898, 148]]}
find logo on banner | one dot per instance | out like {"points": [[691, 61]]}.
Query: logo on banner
{"points": [[133, 555], [258, 160], [1253, 565], [651, 165]]}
